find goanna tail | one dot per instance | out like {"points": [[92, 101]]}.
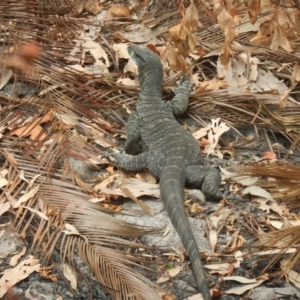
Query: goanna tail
{"points": [[171, 188]]}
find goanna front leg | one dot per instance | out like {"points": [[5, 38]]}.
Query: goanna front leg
{"points": [[180, 102], [132, 145], [205, 178], [153, 161]]}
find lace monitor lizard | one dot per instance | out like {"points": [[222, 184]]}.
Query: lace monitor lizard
{"points": [[173, 154]]}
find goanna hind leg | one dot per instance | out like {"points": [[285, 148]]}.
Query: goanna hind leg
{"points": [[205, 178]]}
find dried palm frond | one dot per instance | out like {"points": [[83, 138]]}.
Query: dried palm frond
{"points": [[284, 183], [76, 102], [69, 99], [283, 239], [70, 92], [243, 110], [61, 90], [59, 213]]}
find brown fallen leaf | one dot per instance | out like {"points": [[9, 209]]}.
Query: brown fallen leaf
{"points": [[296, 75], [182, 39], [93, 7], [169, 297], [145, 207], [170, 274], [196, 207], [201, 52], [204, 142], [110, 170], [70, 275], [45, 273], [12, 276], [22, 58], [152, 48], [37, 212], [216, 292], [279, 39], [253, 10], [33, 129], [217, 128], [227, 24], [4, 207], [113, 207], [211, 85], [137, 187], [28, 195], [242, 289], [15, 258], [293, 276], [257, 191], [118, 11], [174, 58], [220, 268], [269, 155], [191, 18], [277, 31], [213, 239], [30, 51]]}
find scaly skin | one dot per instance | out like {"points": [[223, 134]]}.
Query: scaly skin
{"points": [[173, 155]]}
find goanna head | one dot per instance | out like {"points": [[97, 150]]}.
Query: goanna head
{"points": [[149, 66]]}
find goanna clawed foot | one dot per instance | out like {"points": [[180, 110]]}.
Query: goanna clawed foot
{"points": [[128, 162], [112, 157], [231, 197], [184, 87]]}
